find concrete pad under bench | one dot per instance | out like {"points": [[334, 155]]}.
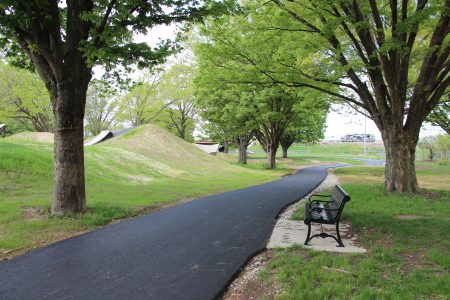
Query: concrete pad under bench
{"points": [[289, 232]]}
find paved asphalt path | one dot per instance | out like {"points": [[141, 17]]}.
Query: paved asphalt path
{"points": [[190, 251]]}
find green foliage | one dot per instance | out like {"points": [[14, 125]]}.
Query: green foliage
{"points": [[175, 90], [428, 143], [141, 105], [108, 27], [235, 87], [24, 101], [440, 116], [443, 144], [100, 107]]}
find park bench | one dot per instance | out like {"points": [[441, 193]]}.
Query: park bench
{"points": [[326, 211]]}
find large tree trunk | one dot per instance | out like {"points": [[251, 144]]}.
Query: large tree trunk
{"points": [[271, 154], [242, 142], [226, 146], [242, 154], [69, 190], [400, 172], [285, 143], [270, 140]]}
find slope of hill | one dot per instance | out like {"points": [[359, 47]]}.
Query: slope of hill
{"points": [[45, 137], [141, 170]]}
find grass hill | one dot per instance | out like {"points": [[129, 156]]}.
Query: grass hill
{"points": [[141, 170]]}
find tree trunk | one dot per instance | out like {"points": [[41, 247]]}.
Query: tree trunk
{"points": [[242, 142], [243, 153], [285, 143], [69, 191], [285, 150], [226, 146], [271, 152], [271, 158], [400, 172]]}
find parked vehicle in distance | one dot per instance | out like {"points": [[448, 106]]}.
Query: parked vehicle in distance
{"points": [[358, 138]]}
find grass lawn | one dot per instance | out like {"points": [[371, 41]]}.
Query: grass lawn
{"points": [[407, 237], [374, 150], [124, 177]]}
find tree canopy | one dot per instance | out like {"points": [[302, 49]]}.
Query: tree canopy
{"points": [[24, 100], [386, 59], [63, 40]]}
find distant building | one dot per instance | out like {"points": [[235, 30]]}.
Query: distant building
{"points": [[358, 138]]}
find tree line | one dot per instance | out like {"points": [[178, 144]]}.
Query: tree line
{"points": [[266, 70], [161, 98]]}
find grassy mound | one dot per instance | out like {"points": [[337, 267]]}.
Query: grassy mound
{"points": [[141, 170], [44, 137]]}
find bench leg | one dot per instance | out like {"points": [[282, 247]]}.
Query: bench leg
{"points": [[339, 236], [308, 238], [324, 235]]}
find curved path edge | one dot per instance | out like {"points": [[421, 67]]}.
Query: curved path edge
{"points": [[190, 251]]}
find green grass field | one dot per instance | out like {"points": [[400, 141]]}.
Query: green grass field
{"points": [[147, 169], [132, 174], [407, 238]]}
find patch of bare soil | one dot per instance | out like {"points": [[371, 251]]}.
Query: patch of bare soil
{"points": [[413, 260], [409, 217], [249, 285], [46, 137], [385, 243], [33, 213], [428, 194]]}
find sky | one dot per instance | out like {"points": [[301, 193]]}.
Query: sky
{"points": [[341, 122]]}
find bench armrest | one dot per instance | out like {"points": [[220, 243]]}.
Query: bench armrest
{"points": [[317, 195]]}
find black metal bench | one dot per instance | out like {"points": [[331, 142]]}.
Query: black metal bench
{"points": [[326, 211]]}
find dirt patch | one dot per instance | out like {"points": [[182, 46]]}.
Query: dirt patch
{"points": [[385, 243], [45, 137], [409, 217], [413, 260], [250, 285], [33, 213], [428, 194]]}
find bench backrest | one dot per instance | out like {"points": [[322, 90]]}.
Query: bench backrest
{"points": [[339, 195], [339, 198]]}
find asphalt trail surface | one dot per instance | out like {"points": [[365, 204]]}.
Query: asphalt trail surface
{"points": [[190, 251]]}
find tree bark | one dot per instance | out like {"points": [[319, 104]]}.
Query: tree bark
{"points": [[285, 143], [271, 162], [242, 154], [270, 140], [226, 146], [69, 181], [400, 172], [242, 142]]}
